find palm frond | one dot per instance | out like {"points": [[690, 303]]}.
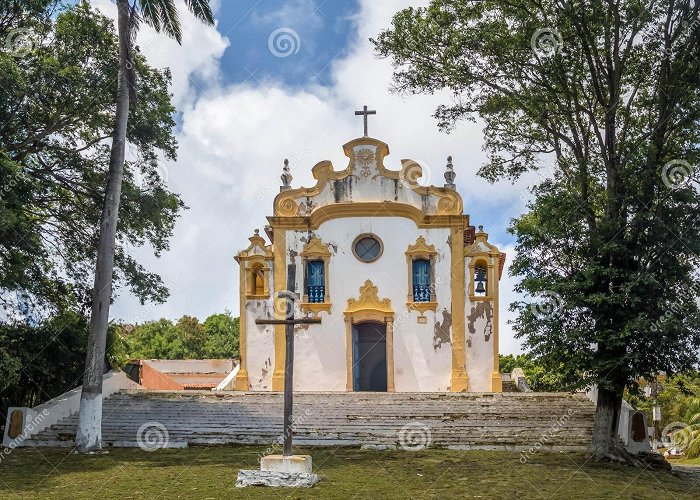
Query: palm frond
{"points": [[169, 19], [150, 12], [201, 10]]}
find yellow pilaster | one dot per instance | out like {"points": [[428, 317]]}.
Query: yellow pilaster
{"points": [[460, 380], [280, 278], [241, 383], [496, 380]]}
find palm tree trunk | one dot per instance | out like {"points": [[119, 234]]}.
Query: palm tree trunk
{"points": [[89, 433]]}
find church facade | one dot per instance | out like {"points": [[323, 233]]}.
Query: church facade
{"points": [[406, 289]]}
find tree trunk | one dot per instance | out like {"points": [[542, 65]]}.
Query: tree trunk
{"points": [[605, 444], [89, 433]]}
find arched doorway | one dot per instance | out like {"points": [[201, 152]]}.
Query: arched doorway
{"points": [[369, 357], [369, 329]]}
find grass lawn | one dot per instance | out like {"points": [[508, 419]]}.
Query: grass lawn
{"points": [[210, 472]]}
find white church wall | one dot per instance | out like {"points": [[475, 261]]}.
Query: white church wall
{"points": [[422, 352], [260, 342]]}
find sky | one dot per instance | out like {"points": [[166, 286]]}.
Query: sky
{"points": [[280, 79]]}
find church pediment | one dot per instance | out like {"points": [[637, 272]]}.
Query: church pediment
{"points": [[367, 181]]}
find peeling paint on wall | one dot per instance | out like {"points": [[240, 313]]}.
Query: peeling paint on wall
{"points": [[442, 330], [482, 309], [266, 369]]}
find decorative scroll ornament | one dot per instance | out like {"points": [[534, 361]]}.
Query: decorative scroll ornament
{"points": [[365, 157], [369, 300]]}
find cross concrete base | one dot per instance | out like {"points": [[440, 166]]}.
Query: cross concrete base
{"points": [[292, 463], [279, 471]]}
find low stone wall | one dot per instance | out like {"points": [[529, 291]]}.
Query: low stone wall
{"points": [[23, 422]]}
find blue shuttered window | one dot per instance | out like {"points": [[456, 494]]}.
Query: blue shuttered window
{"points": [[421, 280], [316, 281]]}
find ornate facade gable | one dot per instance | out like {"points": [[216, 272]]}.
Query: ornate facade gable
{"points": [[367, 182]]}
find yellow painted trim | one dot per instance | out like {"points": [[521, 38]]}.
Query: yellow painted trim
{"points": [[372, 236], [366, 209], [316, 307], [369, 307], [485, 261], [490, 257], [241, 382], [421, 250], [449, 201], [280, 284], [421, 307], [348, 354], [315, 249], [460, 379], [254, 265], [496, 380]]}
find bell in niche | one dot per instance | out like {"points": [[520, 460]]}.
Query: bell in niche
{"points": [[480, 278]]}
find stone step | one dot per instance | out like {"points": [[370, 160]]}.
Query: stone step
{"points": [[467, 420]]}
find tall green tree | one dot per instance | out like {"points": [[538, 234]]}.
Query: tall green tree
{"points": [[217, 337], [223, 336], [163, 17], [58, 73], [58, 81], [608, 92]]}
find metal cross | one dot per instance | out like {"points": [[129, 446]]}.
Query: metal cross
{"points": [[289, 323], [364, 113]]}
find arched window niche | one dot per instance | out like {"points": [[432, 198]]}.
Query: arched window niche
{"points": [[420, 259]]}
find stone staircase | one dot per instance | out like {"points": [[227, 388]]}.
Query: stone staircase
{"points": [[508, 421]]}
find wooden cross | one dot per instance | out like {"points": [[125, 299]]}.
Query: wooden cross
{"points": [[289, 323], [365, 113]]}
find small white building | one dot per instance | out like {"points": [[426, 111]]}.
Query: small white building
{"points": [[406, 289]]}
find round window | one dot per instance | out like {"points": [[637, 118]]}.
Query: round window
{"points": [[367, 248]]}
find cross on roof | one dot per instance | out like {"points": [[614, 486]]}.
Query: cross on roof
{"points": [[365, 113]]}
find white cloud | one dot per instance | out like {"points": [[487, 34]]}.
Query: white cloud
{"points": [[233, 140], [197, 59]]}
